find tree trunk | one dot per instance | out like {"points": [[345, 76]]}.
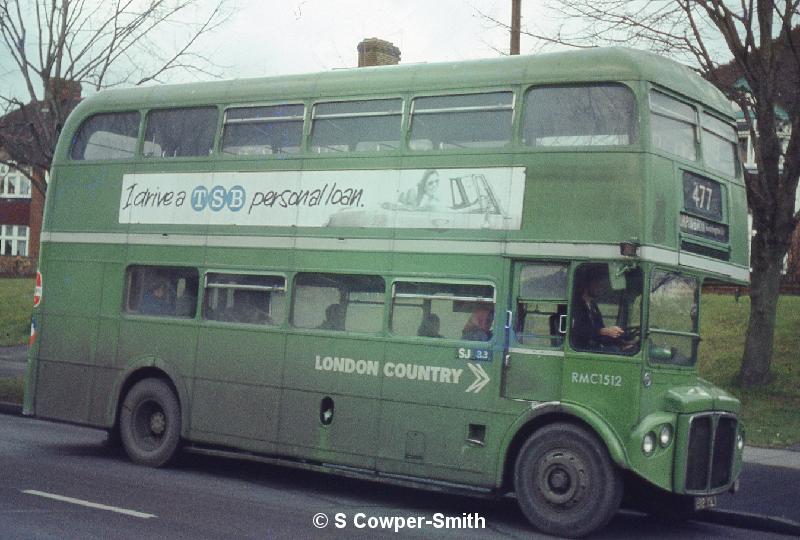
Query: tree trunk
{"points": [[765, 286], [793, 264]]}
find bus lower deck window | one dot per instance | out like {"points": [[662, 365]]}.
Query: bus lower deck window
{"points": [[244, 298], [337, 302], [442, 310], [161, 291]]}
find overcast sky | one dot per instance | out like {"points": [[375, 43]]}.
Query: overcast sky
{"points": [[294, 36], [274, 37]]}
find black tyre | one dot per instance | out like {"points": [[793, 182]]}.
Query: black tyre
{"points": [[150, 423], [565, 481]]}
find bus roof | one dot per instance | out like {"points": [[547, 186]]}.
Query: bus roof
{"points": [[597, 64]]}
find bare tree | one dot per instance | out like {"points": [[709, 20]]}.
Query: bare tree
{"points": [[56, 45], [757, 42]]}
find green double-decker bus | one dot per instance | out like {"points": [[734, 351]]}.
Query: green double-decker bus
{"points": [[479, 276]]}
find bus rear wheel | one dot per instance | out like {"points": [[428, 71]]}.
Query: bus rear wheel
{"points": [[565, 481], [150, 423]]}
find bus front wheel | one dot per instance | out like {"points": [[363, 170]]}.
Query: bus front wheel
{"points": [[565, 481], [150, 423]]}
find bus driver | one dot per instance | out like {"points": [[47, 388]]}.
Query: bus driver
{"points": [[589, 331]]}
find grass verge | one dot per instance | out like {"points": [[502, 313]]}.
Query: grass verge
{"points": [[16, 303], [771, 413], [11, 389]]}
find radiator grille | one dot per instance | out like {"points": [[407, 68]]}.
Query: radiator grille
{"points": [[710, 454], [724, 441]]}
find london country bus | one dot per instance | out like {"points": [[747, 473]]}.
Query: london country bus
{"points": [[480, 276]]}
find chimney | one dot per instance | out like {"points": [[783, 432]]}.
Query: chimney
{"points": [[377, 52], [64, 90]]}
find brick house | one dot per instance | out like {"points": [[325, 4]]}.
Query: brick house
{"points": [[21, 208], [21, 204]]}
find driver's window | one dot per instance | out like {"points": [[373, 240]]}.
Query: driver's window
{"points": [[606, 309], [541, 305]]}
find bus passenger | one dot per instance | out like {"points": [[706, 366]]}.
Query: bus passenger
{"points": [[157, 300], [589, 331], [429, 327], [479, 325], [334, 318]]}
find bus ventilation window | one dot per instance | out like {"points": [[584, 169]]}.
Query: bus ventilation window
{"points": [[477, 434]]}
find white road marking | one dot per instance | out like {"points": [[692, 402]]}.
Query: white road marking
{"points": [[88, 504]]}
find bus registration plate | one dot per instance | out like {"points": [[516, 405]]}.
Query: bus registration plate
{"points": [[705, 503]]}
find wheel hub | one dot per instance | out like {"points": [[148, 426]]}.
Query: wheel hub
{"points": [[562, 478], [158, 423], [559, 480]]}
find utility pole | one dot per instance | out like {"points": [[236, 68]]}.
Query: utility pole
{"points": [[515, 25]]}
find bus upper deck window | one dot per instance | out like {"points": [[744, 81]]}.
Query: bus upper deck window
{"points": [[719, 145], [275, 129], [461, 121], [591, 115], [357, 126], [673, 126], [106, 136], [180, 132]]}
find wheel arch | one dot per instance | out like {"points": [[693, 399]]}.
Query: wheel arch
{"points": [[146, 368], [553, 413]]}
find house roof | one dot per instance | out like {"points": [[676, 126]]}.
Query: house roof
{"points": [[18, 136], [731, 75]]}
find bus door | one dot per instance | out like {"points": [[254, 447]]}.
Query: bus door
{"points": [[603, 367], [533, 363]]}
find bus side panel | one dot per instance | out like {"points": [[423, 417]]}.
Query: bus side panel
{"points": [[426, 422], [565, 182], [101, 409], [153, 340], [433, 442], [662, 204], [86, 197], [317, 379], [63, 391], [240, 368], [67, 347], [349, 439], [609, 385]]}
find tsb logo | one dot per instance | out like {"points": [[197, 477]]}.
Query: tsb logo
{"points": [[218, 198]]}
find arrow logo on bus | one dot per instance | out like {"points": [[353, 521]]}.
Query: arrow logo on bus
{"points": [[481, 378]]}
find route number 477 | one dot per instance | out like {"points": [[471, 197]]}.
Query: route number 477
{"points": [[702, 196]]}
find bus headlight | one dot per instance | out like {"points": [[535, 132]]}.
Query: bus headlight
{"points": [[649, 443], [740, 441], [665, 435]]}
